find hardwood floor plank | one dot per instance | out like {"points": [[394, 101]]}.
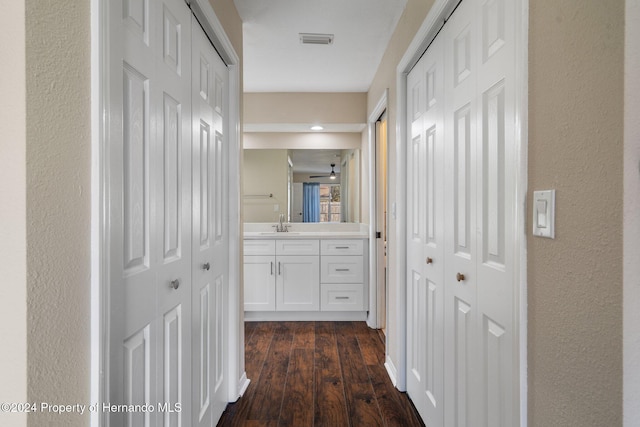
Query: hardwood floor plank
{"points": [[370, 345], [353, 366], [363, 405], [256, 348], [395, 407], [304, 337], [330, 402], [257, 344], [361, 400], [270, 387], [297, 406], [317, 374]]}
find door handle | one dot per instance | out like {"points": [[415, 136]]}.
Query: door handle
{"points": [[206, 266], [460, 277], [271, 267], [175, 284], [279, 268], [342, 269], [429, 260]]}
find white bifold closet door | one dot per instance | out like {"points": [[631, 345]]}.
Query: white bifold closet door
{"points": [[165, 310], [462, 169], [210, 229]]}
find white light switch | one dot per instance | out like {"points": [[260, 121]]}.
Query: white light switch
{"points": [[544, 213]]}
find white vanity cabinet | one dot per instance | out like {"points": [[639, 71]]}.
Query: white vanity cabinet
{"points": [[259, 275], [342, 275], [281, 275], [305, 279]]}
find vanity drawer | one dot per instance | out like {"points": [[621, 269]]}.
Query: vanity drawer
{"points": [[259, 247], [341, 297], [341, 269], [342, 247], [297, 247]]}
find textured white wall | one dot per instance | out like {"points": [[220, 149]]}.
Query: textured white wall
{"points": [[576, 92], [632, 216], [343, 107], [58, 205], [410, 21], [13, 243]]}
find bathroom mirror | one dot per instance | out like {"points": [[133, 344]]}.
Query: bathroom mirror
{"points": [[275, 182]]}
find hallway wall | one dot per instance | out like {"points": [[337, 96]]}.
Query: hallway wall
{"points": [[576, 57], [13, 205], [58, 181]]}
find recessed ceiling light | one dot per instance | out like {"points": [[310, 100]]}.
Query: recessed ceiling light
{"points": [[317, 127]]}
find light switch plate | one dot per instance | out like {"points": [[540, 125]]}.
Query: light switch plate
{"points": [[544, 211]]}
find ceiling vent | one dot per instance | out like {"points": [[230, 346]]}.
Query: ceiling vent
{"points": [[310, 38]]}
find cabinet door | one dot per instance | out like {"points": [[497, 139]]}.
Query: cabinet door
{"points": [[297, 283], [259, 283]]}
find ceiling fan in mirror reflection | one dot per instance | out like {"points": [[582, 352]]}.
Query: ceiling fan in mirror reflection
{"points": [[332, 175]]}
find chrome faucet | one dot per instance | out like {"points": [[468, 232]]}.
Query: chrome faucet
{"points": [[281, 227]]}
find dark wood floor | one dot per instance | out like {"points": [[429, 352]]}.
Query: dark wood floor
{"points": [[317, 374]]}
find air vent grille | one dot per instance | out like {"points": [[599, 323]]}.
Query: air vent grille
{"points": [[312, 38]]}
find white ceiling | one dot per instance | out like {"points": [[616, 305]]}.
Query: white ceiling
{"points": [[276, 61], [315, 161]]}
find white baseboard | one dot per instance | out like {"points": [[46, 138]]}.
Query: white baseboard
{"points": [[243, 383], [391, 370], [290, 316]]}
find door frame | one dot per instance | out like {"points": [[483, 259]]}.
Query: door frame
{"points": [[381, 107], [100, 304], [429, 29]]}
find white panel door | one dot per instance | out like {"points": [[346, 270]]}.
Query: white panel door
{"points": [[497, 206], [210, 229], [425, 373], [469, 265], [460, 277], [149, 211]]}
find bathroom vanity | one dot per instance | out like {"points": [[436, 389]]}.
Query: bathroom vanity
{"points": [[307, 273]]}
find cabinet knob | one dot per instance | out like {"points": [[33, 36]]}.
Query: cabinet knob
{"points": [[175, 284], [459, 277], [206, 266], [429, 260]]}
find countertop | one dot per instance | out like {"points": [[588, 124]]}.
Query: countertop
{"points": [[266, 231], [268, 235]]}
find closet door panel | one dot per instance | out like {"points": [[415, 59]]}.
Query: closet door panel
{"points": [[172, 192], [425, 237], [460, 182], [497, 212], [210, 239]]}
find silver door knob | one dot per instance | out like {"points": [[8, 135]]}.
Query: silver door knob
{"points": [[175, 284], [206, 266], [459, 277]]}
